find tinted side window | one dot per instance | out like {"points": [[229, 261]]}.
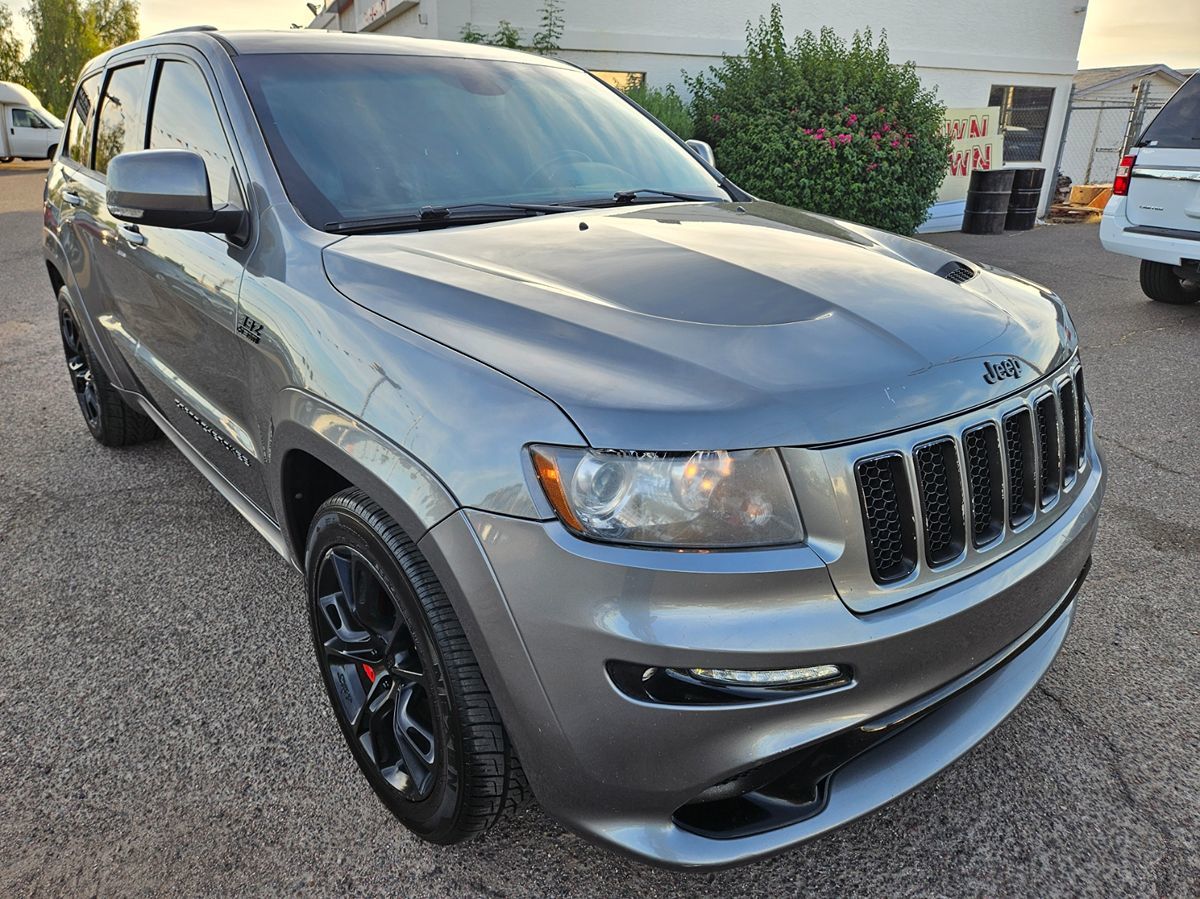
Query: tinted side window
{"points": [[184, 117], [119, 125], [79, 127], [1178, 123]]}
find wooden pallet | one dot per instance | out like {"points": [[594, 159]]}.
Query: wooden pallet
{"points": [[1067, 212]]}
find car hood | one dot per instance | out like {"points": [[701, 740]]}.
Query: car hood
{"points": [[712, 325]]}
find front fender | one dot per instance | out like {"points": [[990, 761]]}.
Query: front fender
{"points": [[408, 491]]}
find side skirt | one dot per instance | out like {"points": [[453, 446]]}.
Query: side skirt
{"points": [[257, 518]]}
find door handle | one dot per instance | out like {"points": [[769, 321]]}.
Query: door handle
{"points": [[132, 235], [73, 198]]}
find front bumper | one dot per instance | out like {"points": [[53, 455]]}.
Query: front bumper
{"points": [[546, 612]]}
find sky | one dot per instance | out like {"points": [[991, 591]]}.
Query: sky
{"points": [[1117, 32]]}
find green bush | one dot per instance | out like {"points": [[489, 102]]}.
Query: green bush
{"points": [[665, 105], [824, 126]]}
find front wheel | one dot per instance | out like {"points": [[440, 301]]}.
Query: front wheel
{"points": [[1160, 283], [408, 694]]}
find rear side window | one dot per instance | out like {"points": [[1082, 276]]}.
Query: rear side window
{"points": [[1178, 123], [79, 125], [119, 125], [184, 117]]}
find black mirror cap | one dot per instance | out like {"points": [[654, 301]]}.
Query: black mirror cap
{"points": [[167, 189]]}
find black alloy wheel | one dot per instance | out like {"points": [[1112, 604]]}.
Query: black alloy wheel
{"points": [[80, 370], [112, 421], [405, 685], [381, 688]]}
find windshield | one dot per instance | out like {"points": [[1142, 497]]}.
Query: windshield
{"points": [[359, 136]]}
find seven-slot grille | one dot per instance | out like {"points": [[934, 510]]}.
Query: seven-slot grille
{"points": [[967, 489]]}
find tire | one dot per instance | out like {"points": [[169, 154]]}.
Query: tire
{"points": [[109, 418], [1161, 284], [52, 151], [431, 742]]}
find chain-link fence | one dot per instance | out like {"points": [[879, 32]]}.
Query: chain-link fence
{"points": [[1099, 131]]}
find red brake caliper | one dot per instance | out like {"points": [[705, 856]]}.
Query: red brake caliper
{"points": [[369, 672]]}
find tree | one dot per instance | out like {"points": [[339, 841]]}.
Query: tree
{"points": [[112, 22], [65, 36], [824, 125], [10, 48], [546, 40], [506, 35]]}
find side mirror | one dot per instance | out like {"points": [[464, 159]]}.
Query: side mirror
{"points": [[704, 151], [167, 189]]}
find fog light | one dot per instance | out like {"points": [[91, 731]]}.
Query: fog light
{"points": [[777, 677]]}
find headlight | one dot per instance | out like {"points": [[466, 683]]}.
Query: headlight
{"points": [[712, 499]]}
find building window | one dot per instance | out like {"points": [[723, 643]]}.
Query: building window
{"points": [[622, 81], [1024, 117]]}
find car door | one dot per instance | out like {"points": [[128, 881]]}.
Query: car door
{"points": [[29, 134], [181, 304], [77, 215], [1164, 190]]}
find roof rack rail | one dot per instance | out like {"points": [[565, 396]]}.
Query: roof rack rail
{"points": [[191, 28]]}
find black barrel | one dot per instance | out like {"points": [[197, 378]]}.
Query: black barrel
{"points": [[1026, 195], [987, 201]]}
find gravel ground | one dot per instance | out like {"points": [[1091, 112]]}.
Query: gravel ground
{"points": [[163, 729]]}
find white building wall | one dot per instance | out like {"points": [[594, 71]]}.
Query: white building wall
{"points": [[961, 47]]}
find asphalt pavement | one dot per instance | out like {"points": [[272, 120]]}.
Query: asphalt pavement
{"points": [[163, 728]]}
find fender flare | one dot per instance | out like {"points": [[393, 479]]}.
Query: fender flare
{"points": [[403, 486]]}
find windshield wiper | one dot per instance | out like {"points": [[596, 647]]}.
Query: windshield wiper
{"points": [[445, 216], [625, 197], [628, 196]]}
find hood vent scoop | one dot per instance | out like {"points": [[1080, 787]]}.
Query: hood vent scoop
{"points": [[956, 272]]}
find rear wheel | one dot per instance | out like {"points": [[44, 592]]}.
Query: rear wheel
{"points": [[404, 683], [52, 152], [111, 421], [1160, 283]]}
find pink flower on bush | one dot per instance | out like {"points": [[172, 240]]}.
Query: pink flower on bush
{"points": [[853, 119], [845, 138], [895, 144], [872, 166], [876, 136], [887, 126], [716, 117], [806, 130]]}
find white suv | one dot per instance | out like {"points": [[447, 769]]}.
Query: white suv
{"points": [[1154, 213]]}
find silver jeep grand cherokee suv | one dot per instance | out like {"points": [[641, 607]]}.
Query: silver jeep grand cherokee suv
{"points": [[730, 521]]}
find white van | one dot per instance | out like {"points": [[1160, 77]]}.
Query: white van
{"points": [[1154, 213], [29, 130]]}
